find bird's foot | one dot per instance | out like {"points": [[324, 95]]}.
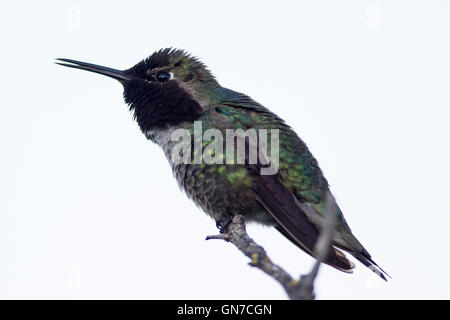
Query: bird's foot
{"points": [[223, 224]]}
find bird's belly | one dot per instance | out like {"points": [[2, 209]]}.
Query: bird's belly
{"points": [[221, 191]]}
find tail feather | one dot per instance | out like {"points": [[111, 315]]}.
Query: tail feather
{"points": [[349, 266], [338, 260], [366, 260], [354, 247]]}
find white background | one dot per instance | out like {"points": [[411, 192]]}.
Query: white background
{"points": [[89, 208]]}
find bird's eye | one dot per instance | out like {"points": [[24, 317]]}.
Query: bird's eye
{"points": [[163, 76]]}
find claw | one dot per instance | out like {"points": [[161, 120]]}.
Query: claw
{"points": [[223, 224]]}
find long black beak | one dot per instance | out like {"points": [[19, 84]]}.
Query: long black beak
{"points": [[113, 73]]}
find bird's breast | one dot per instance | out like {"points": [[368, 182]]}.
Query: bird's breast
{"points": [[219, 189]]}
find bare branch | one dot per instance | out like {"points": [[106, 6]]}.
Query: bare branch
{"points": [[301, 289]]}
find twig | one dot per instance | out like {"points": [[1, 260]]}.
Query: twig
{"points": [[301, 289]]}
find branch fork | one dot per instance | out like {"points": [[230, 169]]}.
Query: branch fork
{"points": [[296, 289]]}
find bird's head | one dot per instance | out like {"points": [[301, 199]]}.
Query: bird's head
{"points": [[167, 88]]}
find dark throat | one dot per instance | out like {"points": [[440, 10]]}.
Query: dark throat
{"points": [[161, 105]]}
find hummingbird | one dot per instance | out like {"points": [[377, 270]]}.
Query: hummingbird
{"points": [[173, 90]]}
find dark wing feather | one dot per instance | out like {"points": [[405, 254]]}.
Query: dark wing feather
{"points": [[280, 203], [277, 199]]}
